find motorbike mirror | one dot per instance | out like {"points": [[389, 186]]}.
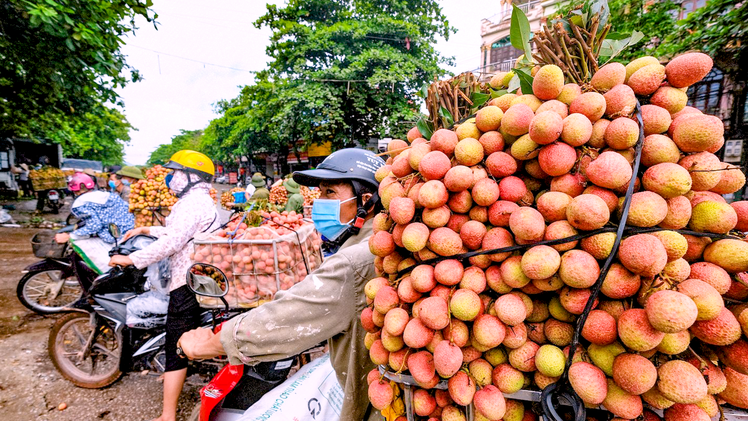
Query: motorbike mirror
{"points": [[207, 280], [114, 230]]}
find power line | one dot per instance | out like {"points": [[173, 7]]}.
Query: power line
{"points": [[204, 63]]}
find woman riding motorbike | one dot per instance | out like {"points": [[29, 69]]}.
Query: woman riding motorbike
{"points": [[194, 212], [96, 210], [326, 304]]}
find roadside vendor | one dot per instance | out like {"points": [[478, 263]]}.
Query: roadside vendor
{"points": [[121, 180], [326, 304], [295, 198], [261, 192]]}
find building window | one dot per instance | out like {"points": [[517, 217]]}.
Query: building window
{"points": [[689, 6], [503, 55], [707, 94]]}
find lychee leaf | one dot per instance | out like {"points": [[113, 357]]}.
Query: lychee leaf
{"points": [[525, 81], [479, 98], [519, 32], [447, 119], [425, 128], [514, 84]]}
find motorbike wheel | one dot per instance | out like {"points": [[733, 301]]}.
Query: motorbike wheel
{"points": [[35, 288], [91, 366]]}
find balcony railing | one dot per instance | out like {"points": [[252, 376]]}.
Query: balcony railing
{"points": [[506, 11]]}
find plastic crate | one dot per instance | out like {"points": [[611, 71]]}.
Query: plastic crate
{"points": [[257, 268], [45, 247]]}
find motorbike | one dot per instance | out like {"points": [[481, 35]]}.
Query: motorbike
{"points": [[102, 336], [93, 345], [53, 200], [56, 281], [236, 387]]}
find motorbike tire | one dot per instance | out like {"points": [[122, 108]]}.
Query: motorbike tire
{"points": [[29, 283], [58, 348]]}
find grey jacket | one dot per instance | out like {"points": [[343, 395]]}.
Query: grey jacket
{"points": [[325, 305]]}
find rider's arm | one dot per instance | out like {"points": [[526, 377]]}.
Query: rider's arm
{"points": [[93, 226], [171, 239], [314, 310]]}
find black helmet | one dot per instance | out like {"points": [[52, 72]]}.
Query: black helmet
{"points": [[353, 164]]}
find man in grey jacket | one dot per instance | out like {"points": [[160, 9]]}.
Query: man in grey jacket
{"points": [[327, 303]]}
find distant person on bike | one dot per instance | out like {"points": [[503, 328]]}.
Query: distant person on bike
{"points": [[121, 180], [193, 213], [327, 303], [96, 210]]}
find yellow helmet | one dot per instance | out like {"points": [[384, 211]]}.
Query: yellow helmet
{"points": [[192, 162]]}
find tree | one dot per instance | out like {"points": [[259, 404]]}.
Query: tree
{"points": [[61, 59], [186, 139], [245, 125], [351, 68], [99, 134]]}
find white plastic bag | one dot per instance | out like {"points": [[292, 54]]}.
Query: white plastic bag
{"points": [[5, 216], [147, 310], [94, 251], [312, 394]]}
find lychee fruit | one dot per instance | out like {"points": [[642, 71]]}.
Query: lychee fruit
{"points": [[516, 120], [608, 76], [681, 382], [444, 140], [546, 127], [600, 328], [548, 82], [671, 311], [488, 118], [591, 104], [643, 254], [634, 373], [636, 332], [557, 158], [609, 170], [620, 101], [588, 382], [687, 69], [647, 79], [587, 212], [577, 128]]}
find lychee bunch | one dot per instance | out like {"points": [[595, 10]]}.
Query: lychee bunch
{"points": [[474, 303]]}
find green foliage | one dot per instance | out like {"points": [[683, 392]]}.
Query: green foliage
{"points": [[186, 139], [245, 125], [350, 69], [654, 21], [719, 29], [60, 60], [100, 134]]}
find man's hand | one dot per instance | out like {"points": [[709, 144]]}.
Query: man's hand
{"points": [[136, 231], [118, 260], [200, 344], [62, 238]]}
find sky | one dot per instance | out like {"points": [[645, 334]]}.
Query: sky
{"points": [[204, 51]]}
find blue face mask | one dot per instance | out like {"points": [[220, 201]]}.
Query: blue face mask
{"points": [[112, 185], [167, 179], [126, 182], [326, 217]]}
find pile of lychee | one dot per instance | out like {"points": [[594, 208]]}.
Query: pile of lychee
{"points": [[667, 331]]}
